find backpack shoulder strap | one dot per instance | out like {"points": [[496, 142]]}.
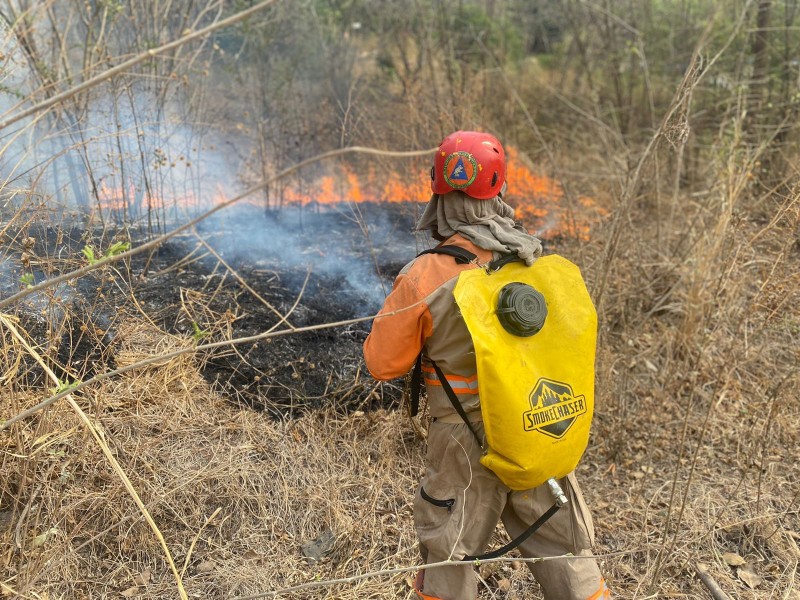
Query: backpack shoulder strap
{"points": [[416, 379], [451, 395], [461, 255], [503, 260]]}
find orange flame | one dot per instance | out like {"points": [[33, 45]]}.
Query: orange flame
{"points": [[132, 201], [540, 204], [539, 201], [350, 187]]}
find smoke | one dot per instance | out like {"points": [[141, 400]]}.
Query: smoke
{"points": [[9, 280], [355, 258], [548, 224], [49, 305], [130, 151], [135, 164], [134, 156]]}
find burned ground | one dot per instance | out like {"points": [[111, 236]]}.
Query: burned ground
{"points": [[236, 279]]}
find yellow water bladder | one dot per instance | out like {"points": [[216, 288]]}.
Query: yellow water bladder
{"points": [[536, 372]]}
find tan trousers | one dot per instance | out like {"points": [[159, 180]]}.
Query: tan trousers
{"points": [[459, 504]]}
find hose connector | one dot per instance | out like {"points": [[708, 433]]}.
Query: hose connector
{"points": [[558, 493]]}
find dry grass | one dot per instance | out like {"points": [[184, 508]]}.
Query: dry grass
{"points": [[269, 486], [695, 447], [696, 435]]}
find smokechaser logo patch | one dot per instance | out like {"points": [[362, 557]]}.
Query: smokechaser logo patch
{"points": [[554, 408], [460, 169]]}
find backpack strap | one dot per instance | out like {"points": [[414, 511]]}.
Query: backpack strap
{"points": [[416, 380], [464, 257], [501, 262], [461, 255], [451, 395]]}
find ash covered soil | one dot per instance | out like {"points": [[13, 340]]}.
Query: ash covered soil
{"points": [[238, 276], [315, 268]]}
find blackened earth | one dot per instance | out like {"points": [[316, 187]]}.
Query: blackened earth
{"points": [[315, 267]]}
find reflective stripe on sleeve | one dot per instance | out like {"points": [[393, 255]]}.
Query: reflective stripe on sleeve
{"points": [[460, 385]]}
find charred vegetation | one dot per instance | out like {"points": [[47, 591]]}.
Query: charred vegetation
{"points": [[231, 280]]}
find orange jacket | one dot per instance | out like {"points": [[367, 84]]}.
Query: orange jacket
{"points": [[420, 314]]}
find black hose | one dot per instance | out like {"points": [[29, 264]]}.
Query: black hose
{"points": [[517, 540]]}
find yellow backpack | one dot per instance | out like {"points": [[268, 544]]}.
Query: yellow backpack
{"points": [[534, 330]]}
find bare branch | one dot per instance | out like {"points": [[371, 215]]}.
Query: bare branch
{"points": [[121, 68]]}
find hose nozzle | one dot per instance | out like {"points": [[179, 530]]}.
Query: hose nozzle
{"points": [[558, 493]]}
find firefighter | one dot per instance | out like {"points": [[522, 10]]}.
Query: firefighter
{"points": [[459, 501]]}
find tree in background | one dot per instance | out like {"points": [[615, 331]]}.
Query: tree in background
{"points": [[111, 142], [557, 78]]}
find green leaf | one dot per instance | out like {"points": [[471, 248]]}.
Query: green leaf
{"points": [[88, 252], [117, 248], [64, 386], [40, 539], [199, 334]]}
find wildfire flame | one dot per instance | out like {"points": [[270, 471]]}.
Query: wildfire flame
{"points": [[539, 201]]}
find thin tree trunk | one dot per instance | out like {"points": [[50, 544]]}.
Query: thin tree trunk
{"points": [[758, 81]]}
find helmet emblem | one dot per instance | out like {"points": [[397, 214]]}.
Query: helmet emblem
{"points": [[460, 169]]}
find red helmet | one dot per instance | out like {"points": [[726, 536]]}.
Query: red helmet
{"points": [[472, 162]]}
